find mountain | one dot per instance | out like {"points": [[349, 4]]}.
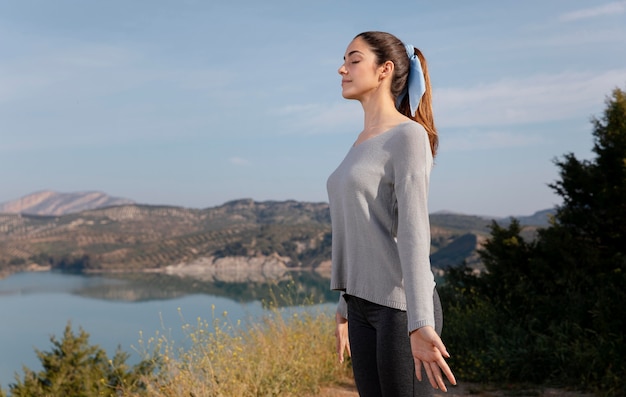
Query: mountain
{"points": [[48, 202], [93, 232], [245, 234], [539, 218], [241, 240]]}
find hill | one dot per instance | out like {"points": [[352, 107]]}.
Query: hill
{"points": [[239, 241], [48, 202], [139, 237]]}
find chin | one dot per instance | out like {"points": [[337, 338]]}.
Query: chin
{"points": [[347, 95]]}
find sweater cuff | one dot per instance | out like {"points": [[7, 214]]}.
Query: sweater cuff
{"points": [[342, 306], [419, 324]]}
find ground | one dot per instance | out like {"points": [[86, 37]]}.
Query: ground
{"points": [[348, 389]]}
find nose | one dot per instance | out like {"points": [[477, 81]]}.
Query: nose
{"points": [[342, 69]]}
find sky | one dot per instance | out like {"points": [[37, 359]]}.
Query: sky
{"points": [[196, 103]]}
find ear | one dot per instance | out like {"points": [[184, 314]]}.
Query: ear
{"points": [[386, 69]]}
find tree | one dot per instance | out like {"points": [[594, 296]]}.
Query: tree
{"points": [[75, 368], [561, 297], [594, 192], [585, 250]]}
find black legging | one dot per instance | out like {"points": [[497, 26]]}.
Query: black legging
{"points": [[381, 351]]}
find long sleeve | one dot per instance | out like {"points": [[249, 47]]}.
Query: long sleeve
{"points": [[380, 225], [412, 175]]}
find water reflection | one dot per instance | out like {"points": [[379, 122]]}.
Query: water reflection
{"points": [[294, 289], [113, 309]]}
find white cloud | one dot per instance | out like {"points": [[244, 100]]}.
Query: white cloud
{"points": [[238, 161], [507, 102], [78, 71], [614, 8], [320, 118], [57, 69], [289, 110], [472, 140], [539, 98], [70, 93], [337, 115]]}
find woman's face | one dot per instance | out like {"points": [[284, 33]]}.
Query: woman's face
{"points": [[359, 73]]}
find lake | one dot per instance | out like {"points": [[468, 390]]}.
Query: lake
{"points": [[115, 309]]}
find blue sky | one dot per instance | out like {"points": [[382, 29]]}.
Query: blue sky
{"points": [[195, 103]]}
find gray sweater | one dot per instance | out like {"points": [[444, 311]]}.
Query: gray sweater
{"points": [[380, 227]]}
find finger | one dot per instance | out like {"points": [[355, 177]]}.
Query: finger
{"points": [[441, 347], [431, 376], [348, 349], [438, 376], [447, 371], [338, 348], [418, 369]]}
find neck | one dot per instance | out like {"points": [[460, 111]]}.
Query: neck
{"points": [[379, 111]]}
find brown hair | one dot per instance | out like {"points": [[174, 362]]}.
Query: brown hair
{"points": [[388, 47]]}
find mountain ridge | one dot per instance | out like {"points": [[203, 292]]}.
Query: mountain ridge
{"points": [[226, 242], [49, 202], [53, 203]]}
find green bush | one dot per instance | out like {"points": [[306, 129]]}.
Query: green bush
{"points": [[75, 368], [552, 310]]}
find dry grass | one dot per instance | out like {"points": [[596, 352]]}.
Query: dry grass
{"points": [[281, 355]]}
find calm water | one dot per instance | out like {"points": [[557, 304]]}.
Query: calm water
{"points": [[113, 311]]}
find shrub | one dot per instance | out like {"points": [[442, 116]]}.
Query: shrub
{"points": [[280, 355], [75, 368]]}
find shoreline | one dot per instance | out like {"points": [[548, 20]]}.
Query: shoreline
{"points": [[224, 269]]}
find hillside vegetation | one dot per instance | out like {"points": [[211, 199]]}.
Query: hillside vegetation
{"points": [[138, 237]]}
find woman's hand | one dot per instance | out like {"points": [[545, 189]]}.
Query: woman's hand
{"points": [[341, 336], [429, 351]]}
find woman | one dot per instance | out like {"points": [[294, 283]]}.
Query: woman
{"points": [[389, 314]]}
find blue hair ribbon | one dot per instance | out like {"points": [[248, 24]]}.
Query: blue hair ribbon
{"points": [[416, 84]]}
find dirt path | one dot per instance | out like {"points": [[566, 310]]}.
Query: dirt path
{"points": [[467, 389]]}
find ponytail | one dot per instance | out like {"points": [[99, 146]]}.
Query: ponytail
{"points": [[424, 113]]}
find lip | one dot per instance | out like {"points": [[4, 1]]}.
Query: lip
{"points": [[345, 81]]}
